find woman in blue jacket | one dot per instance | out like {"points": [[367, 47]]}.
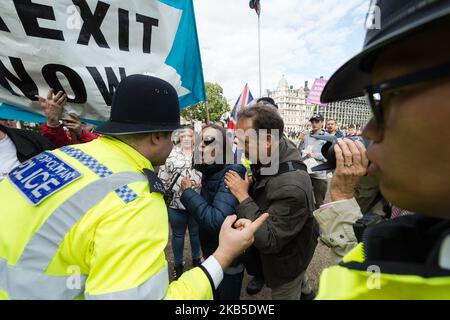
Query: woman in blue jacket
{"points": [[215, 202]]}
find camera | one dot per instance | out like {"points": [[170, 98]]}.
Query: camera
{"points": [[328, 151]]}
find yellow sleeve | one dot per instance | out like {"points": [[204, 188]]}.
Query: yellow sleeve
{"points": [[127, 259], [192, 285], [128, 246]]}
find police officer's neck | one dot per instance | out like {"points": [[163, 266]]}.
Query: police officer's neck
{"points": [[2, 135], [149, 145], [136, 143]]}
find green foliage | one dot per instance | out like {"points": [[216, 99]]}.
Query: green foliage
{"points": [[217, 105]]}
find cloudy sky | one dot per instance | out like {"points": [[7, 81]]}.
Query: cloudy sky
{"points": [[301, 39]]}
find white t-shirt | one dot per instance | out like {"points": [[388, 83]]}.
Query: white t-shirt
{"points": [[8, 156]]}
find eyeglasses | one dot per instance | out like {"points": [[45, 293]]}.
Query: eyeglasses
{"points": [[395, 86], [208, 140]]}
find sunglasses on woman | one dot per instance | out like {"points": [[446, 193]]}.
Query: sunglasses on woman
{"points": [[208, 140]]}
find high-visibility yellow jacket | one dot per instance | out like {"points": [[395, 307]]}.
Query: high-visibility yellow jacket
{"points": [[85, 222], [405, 259]]}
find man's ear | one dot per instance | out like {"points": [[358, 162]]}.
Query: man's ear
{"points": [[154, 138], [158, 137]]}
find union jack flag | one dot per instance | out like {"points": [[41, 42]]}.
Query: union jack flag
{"points": [[244, 100]]}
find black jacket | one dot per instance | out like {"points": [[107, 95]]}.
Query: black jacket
{"points": [[215, 203], [286, 242], [28, 143]]}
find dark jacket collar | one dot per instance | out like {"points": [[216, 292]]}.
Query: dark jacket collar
{"points": [[24, 149], [28, 144], [209, 169], [4, 129]]}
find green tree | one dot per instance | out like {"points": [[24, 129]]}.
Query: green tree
{"points": [[216, 105]]}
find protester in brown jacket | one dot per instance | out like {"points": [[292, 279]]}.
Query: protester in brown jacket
{"points": [[286, 242]]}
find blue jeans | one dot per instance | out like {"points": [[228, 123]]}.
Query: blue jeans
{"points": [[179, 220]]}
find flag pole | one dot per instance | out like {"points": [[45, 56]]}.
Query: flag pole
{"points": [[207, 112], [259, 54]]}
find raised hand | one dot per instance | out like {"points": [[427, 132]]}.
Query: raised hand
{"points": [[235, 237], [73, 123], [53, 106], [351, 165]]}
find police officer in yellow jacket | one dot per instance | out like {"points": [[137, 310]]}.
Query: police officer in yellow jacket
{"points": [[89, 221], [404, 70]]}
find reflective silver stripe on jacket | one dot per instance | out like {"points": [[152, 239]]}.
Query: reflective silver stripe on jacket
{"points": [[26, 284], [153, 289], [27, 279]]}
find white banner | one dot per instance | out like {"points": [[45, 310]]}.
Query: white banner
{"points": [[86, 47]]}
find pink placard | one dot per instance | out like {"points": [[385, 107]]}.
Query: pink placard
{"points": [[316, 92]]}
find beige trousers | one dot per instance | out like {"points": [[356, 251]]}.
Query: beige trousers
{"points": [[289, 291]]}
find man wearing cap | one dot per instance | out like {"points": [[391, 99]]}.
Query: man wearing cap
{"points": [[89, 221], [311, 151], [404, 69]]}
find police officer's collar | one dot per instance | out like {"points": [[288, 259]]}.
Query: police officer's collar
{"points": [[154, 183], [413, 244]]}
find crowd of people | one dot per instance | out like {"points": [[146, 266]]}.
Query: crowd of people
{"points": [[103, 202], [204, 193], [332, 127]]}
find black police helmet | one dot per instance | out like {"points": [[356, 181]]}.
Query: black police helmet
{"points": [[142, 104], [399, 19]]}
